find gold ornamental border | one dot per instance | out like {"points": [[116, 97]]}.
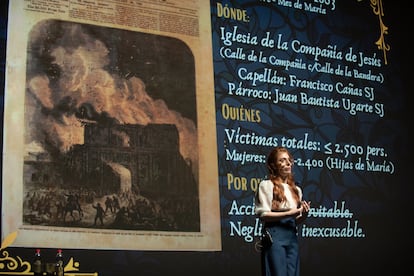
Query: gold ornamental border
{"points": [[378, 10], [10, 265]]}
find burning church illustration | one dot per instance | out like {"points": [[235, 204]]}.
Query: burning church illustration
{"points": [[101, 152]]}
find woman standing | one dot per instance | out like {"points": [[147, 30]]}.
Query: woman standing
{"points": [[279, 205]]}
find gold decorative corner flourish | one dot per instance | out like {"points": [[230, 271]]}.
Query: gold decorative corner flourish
{"points": [[379, 11], [13, 265], [8, 240], [17, 266]]}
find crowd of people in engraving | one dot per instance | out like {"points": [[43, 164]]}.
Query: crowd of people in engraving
{"points": [[126, 210]]}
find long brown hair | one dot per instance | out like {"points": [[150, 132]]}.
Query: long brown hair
{"points": [[275, 177]]}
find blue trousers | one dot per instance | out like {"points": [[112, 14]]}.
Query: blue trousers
{"points": [[281, 258]]}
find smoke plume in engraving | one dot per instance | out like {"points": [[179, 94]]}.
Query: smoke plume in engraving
{"points": [[71, 79]]}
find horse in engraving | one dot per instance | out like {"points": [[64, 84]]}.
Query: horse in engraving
{"points": [[70, 207]]}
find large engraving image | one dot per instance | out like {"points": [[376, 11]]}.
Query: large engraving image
{"points": [[110, 130]]}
